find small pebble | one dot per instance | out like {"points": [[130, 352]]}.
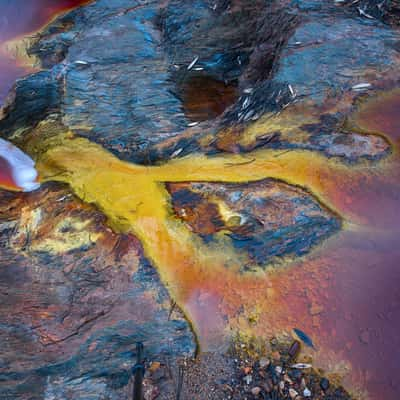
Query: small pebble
{"points": [[248, 379], [247, 370], [264, 362], [255, 391], [276, 356], [294, 349], [155, 365], [324, 384], [292, 393]]}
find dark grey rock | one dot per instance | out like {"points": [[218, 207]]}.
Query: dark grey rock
{"points": [[120, 65], [71, 315]]}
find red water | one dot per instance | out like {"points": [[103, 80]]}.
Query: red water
{"points": [[19, 18], [363, 294], [346, 294]]}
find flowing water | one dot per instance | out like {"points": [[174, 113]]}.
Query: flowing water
{"points": [[344, 294]]}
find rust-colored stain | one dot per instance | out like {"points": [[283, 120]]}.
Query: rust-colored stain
{"points": [[201, 215], [205, 98], [344, 294]]}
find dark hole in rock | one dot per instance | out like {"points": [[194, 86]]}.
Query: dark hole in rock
{"points": [[205, 98]]}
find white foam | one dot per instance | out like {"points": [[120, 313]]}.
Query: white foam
{"points": [[23, 167]]}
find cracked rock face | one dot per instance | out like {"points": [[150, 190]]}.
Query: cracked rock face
{"points": [[75, 300]]}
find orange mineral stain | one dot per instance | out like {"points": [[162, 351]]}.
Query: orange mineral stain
{"points": [[344, 294]]}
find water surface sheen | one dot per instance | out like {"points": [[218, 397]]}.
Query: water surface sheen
{"points": [[20, 18]]}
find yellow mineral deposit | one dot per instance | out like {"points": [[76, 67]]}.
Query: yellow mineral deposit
{"points": [[204, 278]]}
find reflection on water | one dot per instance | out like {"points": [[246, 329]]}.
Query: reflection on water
{"points": [[19, 18]]}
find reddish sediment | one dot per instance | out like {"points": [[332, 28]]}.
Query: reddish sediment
{"points": [[343, 294]]}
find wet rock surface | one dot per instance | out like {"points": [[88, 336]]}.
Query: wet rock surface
{"points": [[266, 219], [75, 298], [115, 71]]}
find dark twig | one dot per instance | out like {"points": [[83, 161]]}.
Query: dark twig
{"points": [[138, 372], [181, 372]]}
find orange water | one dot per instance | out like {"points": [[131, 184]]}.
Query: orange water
{"points": [[344, 294]]}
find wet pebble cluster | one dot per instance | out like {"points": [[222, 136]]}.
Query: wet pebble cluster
{"points": [[243, 375], [280, 377]]}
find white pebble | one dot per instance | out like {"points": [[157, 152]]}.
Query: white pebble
{"points": [[361, 86], [248, 379]]}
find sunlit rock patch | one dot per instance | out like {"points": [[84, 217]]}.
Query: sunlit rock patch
{"points": [[266, 219]]}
